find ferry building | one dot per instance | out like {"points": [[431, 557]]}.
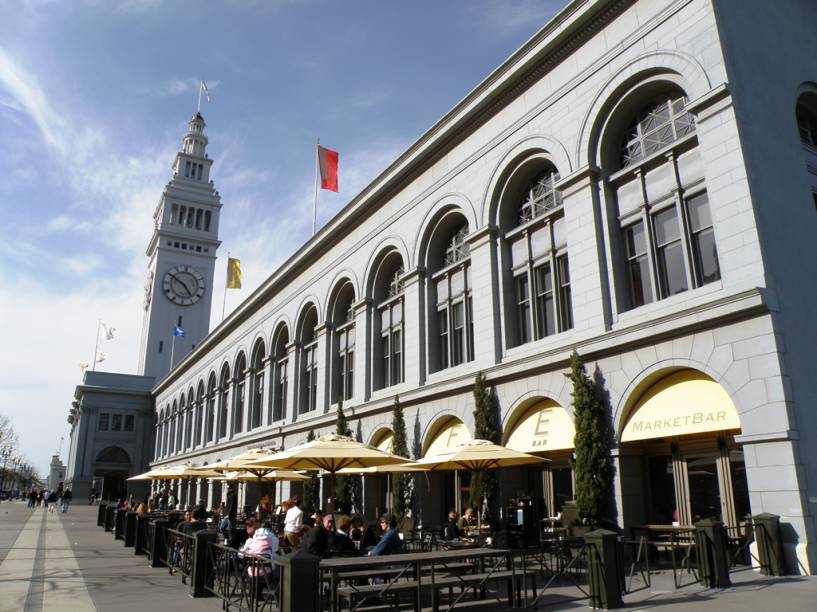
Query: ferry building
{"points": [[637, 182]]}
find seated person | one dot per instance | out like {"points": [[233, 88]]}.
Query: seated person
{"points": [[452, 530], [340, 543], [361, 533], [468, 520], [316, 539], [197, 522], [390, 543], [262, 542]]}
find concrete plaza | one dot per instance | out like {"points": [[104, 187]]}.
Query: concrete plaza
{"points": [[65, 562]]}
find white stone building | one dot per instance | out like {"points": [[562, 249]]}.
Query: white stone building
{"points": [[637, 182]]}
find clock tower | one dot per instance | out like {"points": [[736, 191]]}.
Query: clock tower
{"points": [[181, 258]]}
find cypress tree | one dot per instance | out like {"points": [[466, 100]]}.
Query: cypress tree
{"points": [[344, 485], [312, 486], [401, 484], [593, 466], [483, 482]]}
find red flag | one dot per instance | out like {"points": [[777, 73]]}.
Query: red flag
{"points": [[328, 162]]}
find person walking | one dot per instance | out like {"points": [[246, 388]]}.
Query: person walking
{"points": [[52, 501], [67, 496], [32, 498]]}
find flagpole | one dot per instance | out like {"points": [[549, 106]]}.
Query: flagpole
{"points": [[172, 348], [96, 345], [315, 201], [198, 106], [226, 279]]}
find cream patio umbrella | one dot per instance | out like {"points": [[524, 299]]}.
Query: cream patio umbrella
{"points": [[475, 456], [268, 475], [150, 474], [330, 453]]}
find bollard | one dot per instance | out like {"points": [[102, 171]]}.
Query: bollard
{"points": [[110, 518], [604, 570], [139, 543], [713, 557], [300, 588], [203, 573], [769, 544], [130, 528], [119, 524], [157, 546], [100, 515]]}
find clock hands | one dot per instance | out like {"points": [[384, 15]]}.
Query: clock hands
{"points": [[183, 284]]}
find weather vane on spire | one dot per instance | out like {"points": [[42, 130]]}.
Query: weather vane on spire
{"points": [[203, 88]]}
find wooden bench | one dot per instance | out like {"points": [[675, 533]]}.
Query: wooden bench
{"points": [[470, 581], [369, 591]]}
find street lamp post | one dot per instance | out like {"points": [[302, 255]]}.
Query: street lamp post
{"points": [[5, 453]]}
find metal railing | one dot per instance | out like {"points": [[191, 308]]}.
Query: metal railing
{"points": [[244, 582], [150, 531], [180, 550], [561, 562]]}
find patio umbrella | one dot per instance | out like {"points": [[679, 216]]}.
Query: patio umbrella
{"points": [[477, 455], [150, 474], [330, 453], [183, 471]]}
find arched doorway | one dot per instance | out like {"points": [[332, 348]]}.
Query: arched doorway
{"points": [[446, 490], [112, 467], [682, 425], [542, 427]]}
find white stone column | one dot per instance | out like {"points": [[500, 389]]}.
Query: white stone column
{"points": [[323, 335], [266, 396], [590, 263], [414, 327], [293, 381], [485, 291], [363, 352]]}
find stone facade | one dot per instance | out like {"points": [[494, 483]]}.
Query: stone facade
{"points": [[559, 102]]}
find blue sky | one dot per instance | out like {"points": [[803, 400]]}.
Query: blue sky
{"points": [[94, 96]]}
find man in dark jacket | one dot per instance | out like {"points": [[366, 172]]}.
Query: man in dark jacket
{"points": [[316, 540], [230, 512], [390, 543], [67, 496]]}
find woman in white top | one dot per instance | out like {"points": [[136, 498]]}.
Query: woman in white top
{"points": [[293, 522]]}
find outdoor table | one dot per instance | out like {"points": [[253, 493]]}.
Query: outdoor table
{"points": [[413, 564]]}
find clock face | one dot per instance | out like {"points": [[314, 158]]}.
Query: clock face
{"points": [[183, 285]]}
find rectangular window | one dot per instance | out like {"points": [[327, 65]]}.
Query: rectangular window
{"points": [[350, 374], [469, 313], [384, 350], [207, 215], [669, 253], [458, 339], [116, 422], [341, 390], [103, 421], [187, 169], [129, 422], [199, 214], [443, 327], [545, 318], [523, 309], [174, 210], [179, 321], [281, 395], [238, 417], [704, 249], [565, 299], [397, 357], [161, 345], [637, 264]]}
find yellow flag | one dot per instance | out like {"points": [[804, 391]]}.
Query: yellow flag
{"points": [[233, 273]]}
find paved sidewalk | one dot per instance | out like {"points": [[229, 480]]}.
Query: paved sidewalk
{"points": [[66, 563]]}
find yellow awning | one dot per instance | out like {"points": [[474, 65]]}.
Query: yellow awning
{"points": [[545, 426], [452, 433], [684, 403]]}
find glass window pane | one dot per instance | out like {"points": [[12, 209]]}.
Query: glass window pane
{"points": [[442, 290], [666, 226], [706, 255], [103, 422], [350, 337], [662, 508], [640, 284], [116, 422], [457, 283], [636, 240], [699, 215], [385, 319], [671, 269], [397, 313], [704, 489]]}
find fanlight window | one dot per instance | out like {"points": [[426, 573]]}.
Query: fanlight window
{"points": [[540, 197], [807, 124], [457, 249], [660, 124]]}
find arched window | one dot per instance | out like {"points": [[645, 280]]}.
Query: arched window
{"points": [[257, 390], [449, 263], [536, 252], [280, 374], [199, 415], [309, 361], [161, 438], [166, 432], [343, 362], [238, 400], [223, 402], [388, 345], [656, 176], [180, 426], [209, 428], [172, 437], [188, 420]]}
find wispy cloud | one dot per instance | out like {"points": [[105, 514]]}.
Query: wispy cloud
{"points": [[178, 86]]}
